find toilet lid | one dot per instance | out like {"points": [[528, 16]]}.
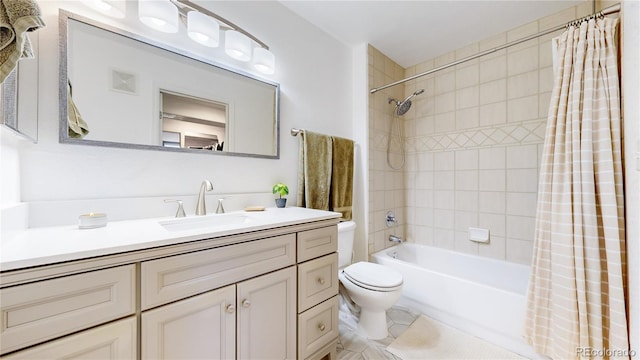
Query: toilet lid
{"points": [[373, 276]]}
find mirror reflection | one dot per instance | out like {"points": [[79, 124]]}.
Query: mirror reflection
{"points": [[127, 91], [192, 123]]}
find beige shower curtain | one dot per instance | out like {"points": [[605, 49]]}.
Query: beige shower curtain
{"points": [[576, 300]]}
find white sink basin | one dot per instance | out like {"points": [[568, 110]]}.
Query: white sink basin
{"points": [[204, 222]]}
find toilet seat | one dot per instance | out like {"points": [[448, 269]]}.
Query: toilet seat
{"points": [[374, 277]]}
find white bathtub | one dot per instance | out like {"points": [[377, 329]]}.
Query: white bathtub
{"points": [[480, 296]]}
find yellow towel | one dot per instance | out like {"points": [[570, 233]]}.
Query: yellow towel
{"points": [[314, 174], [342, 177], [16, 18]]}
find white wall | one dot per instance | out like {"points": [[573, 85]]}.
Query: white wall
{"points": [[313, 69]]}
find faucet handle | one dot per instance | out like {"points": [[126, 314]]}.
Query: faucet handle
{"points": [[391, 219], [220, 209], [180, 213]]}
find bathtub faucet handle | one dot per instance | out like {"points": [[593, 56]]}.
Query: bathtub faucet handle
{"points": [[391, 219]]}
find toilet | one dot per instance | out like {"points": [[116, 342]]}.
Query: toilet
{"points": [[373, 287]]}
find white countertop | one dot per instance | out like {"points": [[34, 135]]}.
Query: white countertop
{"points": [[48, 245]]}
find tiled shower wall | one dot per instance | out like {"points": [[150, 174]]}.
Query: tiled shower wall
{"points": [[386, 186], [473, 143]]}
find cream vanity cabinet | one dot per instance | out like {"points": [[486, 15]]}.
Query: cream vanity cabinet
{"points": [[255, 317], [265, 294]]}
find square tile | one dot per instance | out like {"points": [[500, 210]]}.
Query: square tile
{"points": [[466, 180], [445, 102], [496, 223], [467, 118], [492, 202], [492, 180], [466, 160], [493, 114], [522, 109], [466, 200], [522, 180], [493, 69], [522, 157], [467, 76], [521, 204], [522, 61], [444, 160], [522, 85], [493, 91], [492, 158], [467, 97]]}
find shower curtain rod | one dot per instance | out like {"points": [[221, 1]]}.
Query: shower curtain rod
{"points": [[606, 11]]}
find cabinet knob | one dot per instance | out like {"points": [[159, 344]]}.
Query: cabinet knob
{"points": [[230, 309], [321, 281], [321, 326], [246, 303]]}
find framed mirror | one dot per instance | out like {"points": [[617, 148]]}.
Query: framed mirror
{"points": [[19, 106], [122, 90]]}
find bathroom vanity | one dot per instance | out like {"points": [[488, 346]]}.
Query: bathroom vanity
{"points": [[264, 286]]}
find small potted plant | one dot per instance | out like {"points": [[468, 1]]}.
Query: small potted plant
{"points": [[282, 190]]}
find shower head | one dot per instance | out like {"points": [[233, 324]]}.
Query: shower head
{"points": [[403, 106]]}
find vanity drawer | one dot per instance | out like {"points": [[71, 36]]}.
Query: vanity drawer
{"points": [[317, 242], [317, 281], [36, 312], [117, 340], [177, 277], [317, 327]]}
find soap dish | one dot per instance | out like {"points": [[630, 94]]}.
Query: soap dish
{"points": [[254, 208]]}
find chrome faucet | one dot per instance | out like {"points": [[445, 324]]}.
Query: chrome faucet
{"points": [[395, 239], [201, 208]]}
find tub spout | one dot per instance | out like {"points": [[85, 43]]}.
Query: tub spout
{"points": [[395, 239]]}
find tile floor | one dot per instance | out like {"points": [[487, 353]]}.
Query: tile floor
{"points": [[352, 346]]}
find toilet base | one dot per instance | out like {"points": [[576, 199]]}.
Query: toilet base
{"points": [[373, 324]]}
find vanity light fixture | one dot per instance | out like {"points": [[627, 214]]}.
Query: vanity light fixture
{"points": [[264, 60], [237, 45], [160, 15], [203, 27]]}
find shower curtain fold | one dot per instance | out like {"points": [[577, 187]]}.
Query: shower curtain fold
{"points": [[576, 298]]}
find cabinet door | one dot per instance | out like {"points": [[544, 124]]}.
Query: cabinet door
{"points": [[267, 316], [201, 327], [115, 341]]}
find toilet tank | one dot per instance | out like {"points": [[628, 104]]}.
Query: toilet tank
{"points": [[346, 234]]}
